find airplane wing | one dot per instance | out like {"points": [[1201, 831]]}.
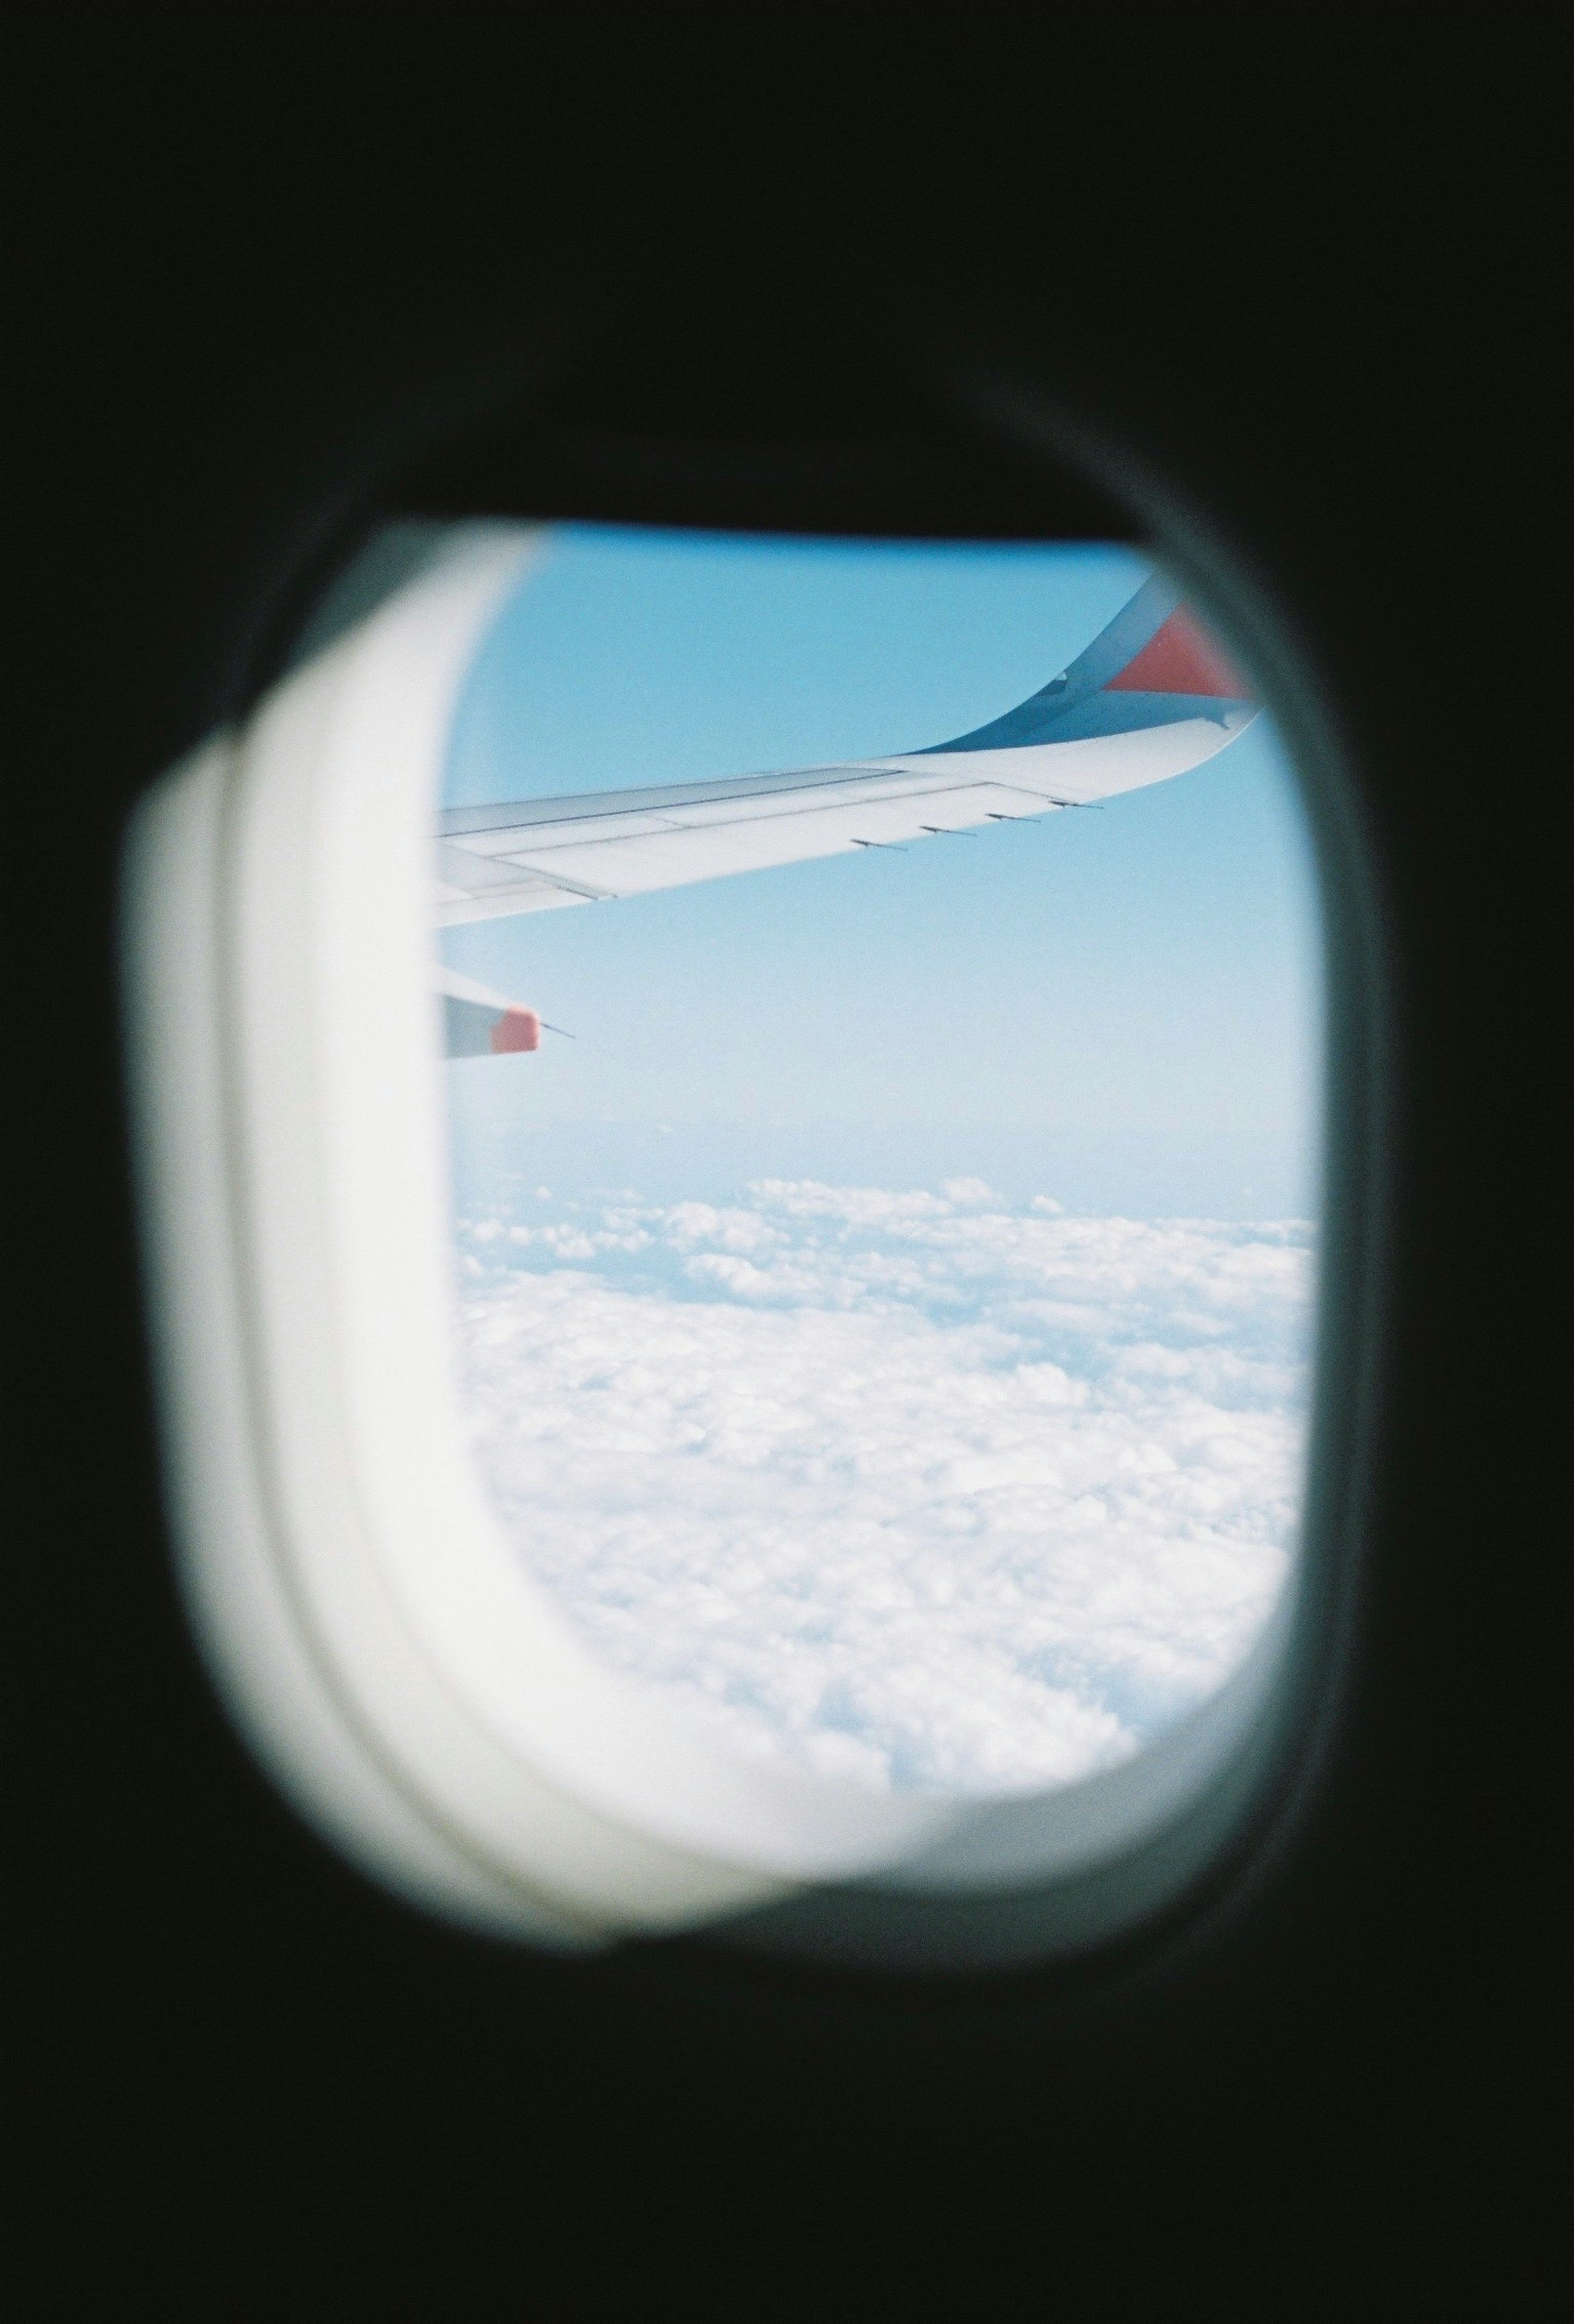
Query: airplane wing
{"points": [[1151, 697]]}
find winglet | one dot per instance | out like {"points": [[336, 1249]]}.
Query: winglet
{"points": [[1180, 657], [1154, 646]]}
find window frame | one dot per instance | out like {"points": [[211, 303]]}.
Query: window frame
{"points": [[264, 1094]]}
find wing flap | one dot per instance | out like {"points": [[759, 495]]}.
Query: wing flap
{"points": [[595, 858]]}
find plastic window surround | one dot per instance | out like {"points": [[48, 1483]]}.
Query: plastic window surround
{"points": [[421, 1701]]}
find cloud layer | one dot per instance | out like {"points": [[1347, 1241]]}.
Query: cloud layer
{"points": [[927, 1489]]}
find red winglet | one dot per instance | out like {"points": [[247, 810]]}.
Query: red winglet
{"points": [[1180, 657], [515, 1029]]}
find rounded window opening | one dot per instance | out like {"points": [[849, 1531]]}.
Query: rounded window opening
{"points": [[883, 994]]}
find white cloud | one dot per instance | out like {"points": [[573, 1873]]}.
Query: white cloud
{"points": [[926, 1489]]}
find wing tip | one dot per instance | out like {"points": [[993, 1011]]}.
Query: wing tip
{"points": [[1181, 657], [516, 1033]]}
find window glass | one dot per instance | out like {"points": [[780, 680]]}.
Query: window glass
{"points": [[885, 1275]]}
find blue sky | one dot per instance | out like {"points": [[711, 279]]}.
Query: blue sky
{"points": [[1117, 1009]]}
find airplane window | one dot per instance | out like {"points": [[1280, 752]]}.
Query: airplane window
{"points": [[784, 1381], [882, 989]]}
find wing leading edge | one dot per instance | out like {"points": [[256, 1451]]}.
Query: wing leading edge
{"points": [[1151, 697]]}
